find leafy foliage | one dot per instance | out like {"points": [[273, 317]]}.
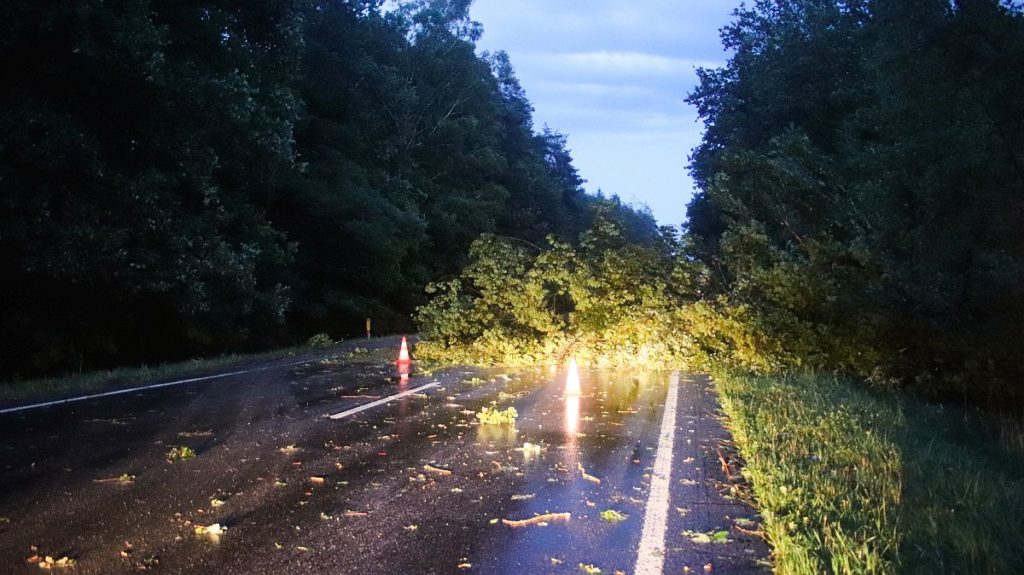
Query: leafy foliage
{"points": [[495, 416], [861, 193], [319, 340], [179, 453], [613, 516], [183, 178], [609, 299], [128, 134]]}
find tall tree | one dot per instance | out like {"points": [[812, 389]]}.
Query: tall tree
{"points": [[860, 185], [126, 129], [246, 173]]}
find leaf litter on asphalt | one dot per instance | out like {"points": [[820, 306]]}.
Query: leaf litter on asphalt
{"points": [[721, 536], [613, 516], [48, 561], [123, 479], [213, 530]]}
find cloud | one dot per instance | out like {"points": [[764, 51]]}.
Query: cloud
{"points": [[653, 26], [612, 75], [610, 64], [630, 63], [595, 89]]}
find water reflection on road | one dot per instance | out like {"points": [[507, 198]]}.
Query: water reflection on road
{"points": [[595, 450]]}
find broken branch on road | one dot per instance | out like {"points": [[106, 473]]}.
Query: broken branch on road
{"points": [[537, 520]]}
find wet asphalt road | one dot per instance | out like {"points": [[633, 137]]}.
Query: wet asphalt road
{"points": [[413, 486]]}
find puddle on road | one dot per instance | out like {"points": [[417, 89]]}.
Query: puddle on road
{"points": [[564, 486], [589, 467]]}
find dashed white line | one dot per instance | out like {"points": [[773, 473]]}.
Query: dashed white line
{"points": [[142, 388], [651, 554], [382, 401]]}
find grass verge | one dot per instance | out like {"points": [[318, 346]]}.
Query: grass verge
{"points": [[849, 481], [30, 390]]}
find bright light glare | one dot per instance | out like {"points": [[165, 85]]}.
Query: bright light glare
{"points": [[572, 380], [572, 399], [572, 415]]}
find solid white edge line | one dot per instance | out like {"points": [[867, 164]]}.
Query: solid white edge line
{"points": [[650, 558], [381, 401], [143, 388]]}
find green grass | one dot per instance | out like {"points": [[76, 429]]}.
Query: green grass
{"points": [[850, 481], [28, 390]]}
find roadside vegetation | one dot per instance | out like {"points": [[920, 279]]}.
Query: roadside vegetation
{"points": [[853, 481], [26, 390], [38, 389], [233, 177], [861, 183], [859, 213]]}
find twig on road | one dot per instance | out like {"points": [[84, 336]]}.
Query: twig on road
{"points": [[546, 518]]}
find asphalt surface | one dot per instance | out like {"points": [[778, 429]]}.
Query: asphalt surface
{"points": [[416, 485]]}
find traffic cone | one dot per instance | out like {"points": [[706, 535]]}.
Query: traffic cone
{"points": [[403, 353]]}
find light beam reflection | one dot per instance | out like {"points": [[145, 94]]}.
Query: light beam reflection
{"points": [[403, 403], [572, 414], [572, 380]]}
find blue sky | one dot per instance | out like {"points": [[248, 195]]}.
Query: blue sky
{"points": [[612, 75]]}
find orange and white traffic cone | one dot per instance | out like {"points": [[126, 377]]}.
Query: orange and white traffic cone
{"points": [[403, 353]]}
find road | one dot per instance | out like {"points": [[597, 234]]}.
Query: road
{"points": [[413, 485]]}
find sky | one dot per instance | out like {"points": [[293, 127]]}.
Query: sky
{"points": [[612, 75]]}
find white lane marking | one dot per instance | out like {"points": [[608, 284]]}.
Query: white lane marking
{"points": [[144, 388], [381, 401], [650, 558]]}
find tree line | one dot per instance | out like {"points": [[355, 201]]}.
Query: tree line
{"points": [[187, 177], [860, 210], [861, 199]]}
